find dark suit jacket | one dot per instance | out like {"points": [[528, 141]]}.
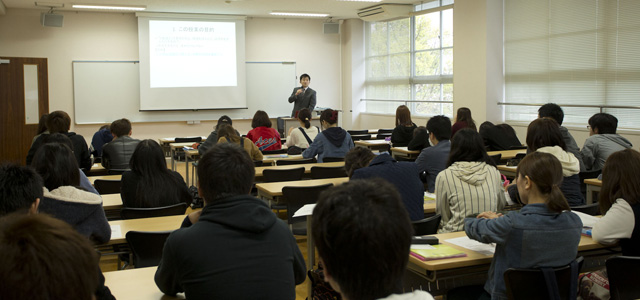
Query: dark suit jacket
{"points": [[304, 100]]}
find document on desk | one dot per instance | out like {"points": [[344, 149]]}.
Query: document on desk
{"points": [[116, 233], [473, 245], [429, 197], [306, 210]]}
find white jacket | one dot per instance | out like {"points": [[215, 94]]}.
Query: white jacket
{"points": [[415, 295], [570, 164]]}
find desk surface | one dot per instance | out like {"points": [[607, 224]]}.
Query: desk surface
{"points": [[274, 189], [169, 223], [111, 201], [135, 284], [369, 143], [92, 179], [307, 167], [180, 145], [404, 150], [507, 154], [593, 181], [269, 159], [171, 140], [430, 207]]}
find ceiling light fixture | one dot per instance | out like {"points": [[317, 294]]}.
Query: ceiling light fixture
{"points": [[299, 14], [109, 7]]}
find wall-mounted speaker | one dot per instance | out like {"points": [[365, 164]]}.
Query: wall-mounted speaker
{"points": [[331, 28], [51, 20]]}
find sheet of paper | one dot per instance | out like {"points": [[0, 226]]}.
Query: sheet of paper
{"points": [[422, 246], [429, 197], [306, 210], [466, 242], [587, 220], [116, 233]]}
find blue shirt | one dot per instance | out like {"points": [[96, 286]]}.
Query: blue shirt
{"points": [[324, 147], [433, 160]]}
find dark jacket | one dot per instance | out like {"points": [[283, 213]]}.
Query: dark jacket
{"points": [[117, 153], [433, 160], [420, 140], [80, 149], [100, 138], [129, 191], [497, 139], [402, 135], [238, 249], [307, 99], [403, 175]]}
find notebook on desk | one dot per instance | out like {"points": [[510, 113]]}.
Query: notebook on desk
{"points": [[433, 252]]}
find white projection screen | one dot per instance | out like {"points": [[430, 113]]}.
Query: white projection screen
{"points": [[191, 62]]}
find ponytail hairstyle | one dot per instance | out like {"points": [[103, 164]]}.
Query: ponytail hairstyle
{"points": [[545, 171], [304, 115], [464, 115], [330, 116], [403, 116], [620, 179], [356, 158]]}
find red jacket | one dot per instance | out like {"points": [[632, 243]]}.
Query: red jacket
{"points": [[265, 138]]}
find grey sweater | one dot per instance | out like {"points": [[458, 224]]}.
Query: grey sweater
{"points": [[598, 147]]}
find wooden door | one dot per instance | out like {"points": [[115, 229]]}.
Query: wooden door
{"points": [[17, 107]]}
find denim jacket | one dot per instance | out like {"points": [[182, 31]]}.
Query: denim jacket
{"points": [[532, 238]]}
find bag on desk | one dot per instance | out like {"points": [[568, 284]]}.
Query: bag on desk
{"points": [[196, 201], [294, 150]]}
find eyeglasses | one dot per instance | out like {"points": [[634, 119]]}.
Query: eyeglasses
{"points": [[588, 127]]}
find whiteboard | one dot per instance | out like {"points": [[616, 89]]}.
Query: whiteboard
{"points": [[105, 91]]}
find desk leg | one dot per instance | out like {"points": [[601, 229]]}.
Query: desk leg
{"points": [[311, 254], [589, 194], [186, 167], [173, 168]]}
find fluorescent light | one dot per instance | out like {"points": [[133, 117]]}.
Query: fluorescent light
{"points": [[109, 7], [299, 14], [360, 0]]}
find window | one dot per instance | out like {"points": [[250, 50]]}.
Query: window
{"points": [[578, 52], [410, 61]]}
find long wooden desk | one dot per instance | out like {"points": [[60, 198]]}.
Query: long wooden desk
{"points": [[272, 190], [169, 223], [270, 159], [136, 284], [175, 147], [97, 169], [593, 186], [507, 154], [111, 202], [374, 144], [404, 152], [509, 171], [307, 167], [92, 179]]}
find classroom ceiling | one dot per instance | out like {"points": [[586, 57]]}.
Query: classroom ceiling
{"points": [[251, 8]]}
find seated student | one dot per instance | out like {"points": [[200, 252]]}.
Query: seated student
{"points": [[363, 235], [100, 138], [63, 200], [226, 134], [403, 133], [602, 141], [150, 183], [469, 185], [60, 122], [433, 159], [554, 111], [420, 139], [63, 139], [542, 234], [361, 163], [333, 141], [463, 120], [213, 136], [117, 153], [498, 137], [543, 135], [265, 137], [44, 258], [302, 136], [235, 240], [42, 127]]}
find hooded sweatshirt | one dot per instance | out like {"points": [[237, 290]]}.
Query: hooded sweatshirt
{"points": [[570, 186], [238, 249], [466, 188], [598, 147], [331, 142], [81, 209], [402, 135]]}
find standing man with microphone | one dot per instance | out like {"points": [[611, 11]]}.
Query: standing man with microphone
{"points": [[304, 97]]}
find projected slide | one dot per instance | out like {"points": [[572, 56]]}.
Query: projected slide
{"points": [[192, 54]]}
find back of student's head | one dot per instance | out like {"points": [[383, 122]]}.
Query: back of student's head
{"points": [[148, 159], [260, 119], [45, 258], [545, 171], [42, 124], [120, 127], [225, 170], [403, 116], [467, 145], [551, 110], [485, 128], [440, 126], [156, 181], [58, 138], [363, 233], [223, 120], [604, 123], [58, 121], [304, 115], [57, 165], [544, 132], [356, 158], [620, 179], [464, 115], [330, 116], [19, 188], [227, 131]]}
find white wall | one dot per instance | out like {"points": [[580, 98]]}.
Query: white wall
{"points": [[114, 36]]}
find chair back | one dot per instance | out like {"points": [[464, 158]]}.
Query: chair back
{"points": [[382, 136], [279, 151], [107, 186], [320, 172], [520, 147], [427, 225], [196, 139], [589, 209], [380, 131], [139, 213], [520, 156], [332, 159], [624, 277], [496, 158], [357, 132], [273, 175], [296, 197], [360, 137], [116, 171], [146, 247], [530, 283], [258, 163], [287, 162]]}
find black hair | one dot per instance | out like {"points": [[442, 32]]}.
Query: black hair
{"points": [[304, 115], [58, 138], [544, 132], [305, 75], [58, 121], [329, 115], [464, 115], [545, 171], [19, 188], [57, 166], [223, 120], [260, 118], [604, 122], [157, 186], [120, 127], [467, 145], [356, 158], [551, 110], [227, 131], [42, 124], [440, 126], [361, 227], [237, 177]]}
